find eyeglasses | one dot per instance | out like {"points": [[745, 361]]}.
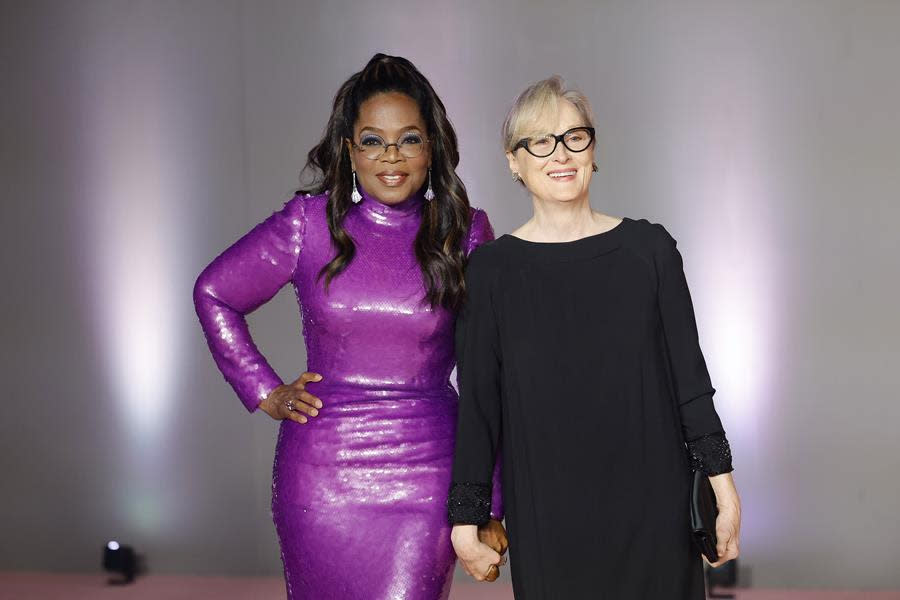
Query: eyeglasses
{"points": [[371, 146], [577, 139]]}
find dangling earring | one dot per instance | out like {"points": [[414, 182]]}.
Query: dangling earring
{"points": [[429, 193], [355, 195], [594, 167], [515, 176]]}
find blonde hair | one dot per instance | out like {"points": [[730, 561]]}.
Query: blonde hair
{"points": [[536, 102]]}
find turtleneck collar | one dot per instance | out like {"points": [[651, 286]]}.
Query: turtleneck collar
{"points": [[390, 214]]}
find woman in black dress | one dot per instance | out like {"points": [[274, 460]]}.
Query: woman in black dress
{"points": [[578, 354]]}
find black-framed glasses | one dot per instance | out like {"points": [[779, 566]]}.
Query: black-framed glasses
{"points": [[577, 139], [373, 147]]}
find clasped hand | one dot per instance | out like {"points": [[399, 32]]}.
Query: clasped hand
{"points": [[481, 549]]}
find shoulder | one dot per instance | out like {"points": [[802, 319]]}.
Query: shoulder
{"points": [[653, 243], [649, 232], [292, 219], [487, 258], [301, 210], [648, 238], [307, 204], [480, 230], [477, 215]]}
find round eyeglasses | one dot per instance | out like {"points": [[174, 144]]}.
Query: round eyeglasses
{"points": [[577, 139], [373, 147]]}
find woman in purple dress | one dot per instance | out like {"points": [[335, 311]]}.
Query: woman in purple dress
{"points": [[375, 253]]}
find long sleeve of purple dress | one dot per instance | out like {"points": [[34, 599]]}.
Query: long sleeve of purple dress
{"points": [[358, 493], [238, 282]]}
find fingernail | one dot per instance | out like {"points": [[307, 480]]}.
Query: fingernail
{"points": [[318, 377], [318, 404], [314, 412]]}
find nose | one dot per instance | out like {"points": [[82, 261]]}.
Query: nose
{"points": [[392, 154], [560, 154]]}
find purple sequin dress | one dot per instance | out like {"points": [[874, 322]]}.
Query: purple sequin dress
{"points": [[359, 493]]}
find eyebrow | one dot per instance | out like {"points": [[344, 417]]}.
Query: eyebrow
{"points": [[533, 133], [378, 130]]}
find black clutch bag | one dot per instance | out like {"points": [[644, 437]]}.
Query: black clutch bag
{"points": [[703, 516]]}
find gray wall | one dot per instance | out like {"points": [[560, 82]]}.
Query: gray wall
{"points": [[140, 138]]}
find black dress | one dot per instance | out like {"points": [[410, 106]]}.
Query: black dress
{"points": [[581, 360]]}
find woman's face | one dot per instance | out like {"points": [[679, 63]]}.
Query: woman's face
{"points": [[390, 118], [563, 176]]}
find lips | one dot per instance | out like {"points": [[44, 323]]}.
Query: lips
{"points": [[392, 178], [562, 174]]}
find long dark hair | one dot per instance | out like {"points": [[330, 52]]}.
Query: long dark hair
{"points": [[445, 220]]}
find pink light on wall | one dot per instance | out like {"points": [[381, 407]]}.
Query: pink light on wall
{"points": [[131, 98], [717, 134], [131, 226]]}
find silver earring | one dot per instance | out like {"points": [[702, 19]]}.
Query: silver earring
{"points": [[515, 176], [355, 195], [429, 193]]}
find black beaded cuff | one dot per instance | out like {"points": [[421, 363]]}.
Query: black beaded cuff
{"points": [[710, 454], [469, 504]]}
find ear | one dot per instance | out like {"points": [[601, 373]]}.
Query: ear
{"points": [[513, 162], [349, 145]]}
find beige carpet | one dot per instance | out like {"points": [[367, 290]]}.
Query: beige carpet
{"points": [[45, 586]]}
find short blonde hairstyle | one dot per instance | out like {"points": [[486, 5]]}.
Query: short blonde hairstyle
{"points": [[537, 102]]}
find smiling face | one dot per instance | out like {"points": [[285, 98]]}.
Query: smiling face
{"points": [[564, 176], [390, 117]]}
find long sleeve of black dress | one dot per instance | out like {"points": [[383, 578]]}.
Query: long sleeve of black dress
{"points": [[479, 421], [693, 391]]}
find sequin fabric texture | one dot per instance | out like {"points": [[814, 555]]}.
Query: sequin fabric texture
{"points": [[359, 493]]}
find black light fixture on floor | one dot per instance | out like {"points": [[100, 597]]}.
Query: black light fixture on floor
{"points": [[121, 560]]}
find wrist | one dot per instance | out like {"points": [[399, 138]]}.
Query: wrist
{"points": [[464, 535], [265, 405], [726, 493]]}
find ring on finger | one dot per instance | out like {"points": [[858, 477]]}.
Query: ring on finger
{"points": [[290, 405]]}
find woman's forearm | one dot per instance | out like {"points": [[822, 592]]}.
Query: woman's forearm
{"points": [[726, 492]]}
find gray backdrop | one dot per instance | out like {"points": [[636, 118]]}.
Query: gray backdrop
{"points": [[140, 138]]}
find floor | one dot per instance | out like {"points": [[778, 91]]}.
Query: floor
{"points": [[43, 586]]}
